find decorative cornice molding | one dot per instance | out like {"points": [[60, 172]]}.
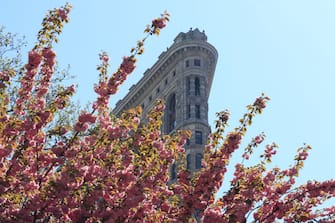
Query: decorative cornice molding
{"points": [[172, 55]]}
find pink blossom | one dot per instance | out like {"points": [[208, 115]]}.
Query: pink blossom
{"points": [[42, 91], [87, 117], [260, 102], [259, 139], [81, 127], [128, 64], [233, 141], [4, 76], [119, 171], [104, 57], [49, 56], [63, 14], [159, 23], [71, 89], [34, 59], [4, 152]]}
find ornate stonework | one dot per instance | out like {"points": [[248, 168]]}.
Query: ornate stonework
{"points": [[182, 76]]}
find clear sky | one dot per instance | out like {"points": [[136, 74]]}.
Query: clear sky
{"points": [[284, 48]]}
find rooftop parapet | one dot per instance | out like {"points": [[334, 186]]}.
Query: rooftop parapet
{"points": [[191, 35]]}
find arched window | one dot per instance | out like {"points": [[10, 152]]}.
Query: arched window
{"points": [[198, 159], [188, 86], [188, 162], [173, 171], [197, 111], [187, 63], [171, 112], [188, 111], [197, 86], [198, 137]]}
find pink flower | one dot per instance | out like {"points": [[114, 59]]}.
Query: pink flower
{"points": [[165, 207], [44, 116], [233, 141], [128, 64], [101, 89], [104, 57], [136, 120], [303, 155], [81, 127], [48, 53], [60, 103], [158, 23], [270, 151], [4, 76], [159, 145], [75, 215], [58, 150], [260, 102], [42, 91], [87, 117], [63, 14], [70, 89], [4, 152], [34, 59], [62, 131], [259, 139], [49, 56]]}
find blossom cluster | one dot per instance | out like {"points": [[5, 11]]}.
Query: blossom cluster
{"points": [[117, 169]]}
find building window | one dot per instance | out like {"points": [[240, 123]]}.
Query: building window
{"points": [[187, 142], [188, 162], [173, 173], [198, 159], [197, 86], [150, 98], [197, 111], [198, 137], [142, 105], [197, 62], [171, 112], [188, 111], [188, 85], [187, 63], [174, 73], [166, 81], [157, 90]]}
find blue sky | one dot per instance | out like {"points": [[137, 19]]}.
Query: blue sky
{"points": [[283, 48]]}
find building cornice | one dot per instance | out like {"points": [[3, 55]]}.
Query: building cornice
{"points": [[165, 59]]}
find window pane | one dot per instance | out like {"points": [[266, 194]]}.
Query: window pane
{"points": [[171, 112], [197, 86], [197, 62], [188, 162], [188, 85], [198, 159], [198, 137], [197, 111]]}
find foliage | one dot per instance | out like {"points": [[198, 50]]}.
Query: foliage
{"points": [[11, 46], [109, 169]]}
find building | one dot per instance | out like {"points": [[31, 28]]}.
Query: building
{"points": [[182, 76]]}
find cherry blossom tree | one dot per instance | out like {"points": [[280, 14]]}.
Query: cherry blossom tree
{"points": [[116, 169], [11, 45]]}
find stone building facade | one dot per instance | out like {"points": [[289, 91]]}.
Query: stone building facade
{"points": [[182, 76]]}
